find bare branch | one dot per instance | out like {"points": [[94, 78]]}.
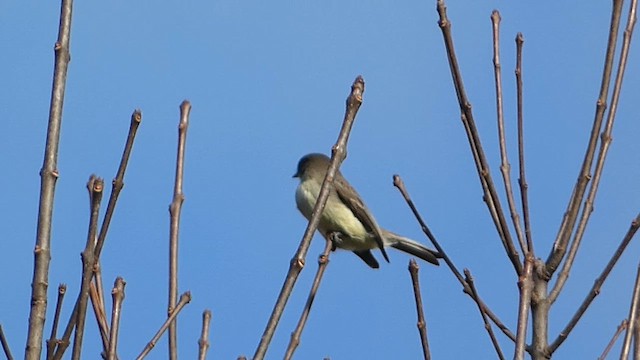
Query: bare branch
{"points": [[185, 298], [118, 297], [602, 154], [623, 326], [323, 261], [398, 183], [203, 343], [339, 153], [633, 313], [52, 342], [5, 345], [174, 229], [525, 284], [595, 290], [490, 197], [95, 187], [570, 216], [522, 181], [100, 315], [505, 167], [48, 176], [422, 323], [487, 326]]}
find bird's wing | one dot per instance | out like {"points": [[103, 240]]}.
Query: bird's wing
{"points": [[359, 209]]}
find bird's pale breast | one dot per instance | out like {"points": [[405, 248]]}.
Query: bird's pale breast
{"points": [[336, 217]]}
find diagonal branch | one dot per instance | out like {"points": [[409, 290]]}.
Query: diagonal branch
{"points": [[5, 345], [570, 216], [323, 261], [339, 153], [602, 154], [595, 289], [487, 326], [490, 197], [622, 327], [185, 298], [48, 177], [398, 183], [633, 312]]}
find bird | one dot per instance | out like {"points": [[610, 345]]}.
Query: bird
{"points": [[346, 221]]}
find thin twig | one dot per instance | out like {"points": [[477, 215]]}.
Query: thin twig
{"points": [[48, 176], [95, 187], [116, 186], [5, 344], [623, 326], [422, 323], [525, 285], [490, 197], [323, 261], [339, 153], [184, 300], [605, 142], [203, 343], [118, 182], [118, 297], [522, 180], [505, 167], [52, 342], [398, 183], [595, 289], [174, 229], [487, 326], [100, 315], [633, 316], [571, 214]]}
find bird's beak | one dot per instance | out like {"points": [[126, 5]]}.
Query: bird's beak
{"points": [[296, 175]]}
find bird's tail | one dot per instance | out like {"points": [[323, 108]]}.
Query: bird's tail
{"points": [[411, 247]]}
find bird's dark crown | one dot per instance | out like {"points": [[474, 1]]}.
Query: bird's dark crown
{"points": [[309, 159]]}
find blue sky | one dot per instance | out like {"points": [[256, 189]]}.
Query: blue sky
{"points": [[268, 83]]}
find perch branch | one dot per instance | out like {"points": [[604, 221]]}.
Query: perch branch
{"points": [[339, 153]]}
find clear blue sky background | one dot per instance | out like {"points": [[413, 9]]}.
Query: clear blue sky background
{"points": [[268, 84]]}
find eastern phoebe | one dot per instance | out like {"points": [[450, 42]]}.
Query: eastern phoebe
{"points": [[346, 221]]}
